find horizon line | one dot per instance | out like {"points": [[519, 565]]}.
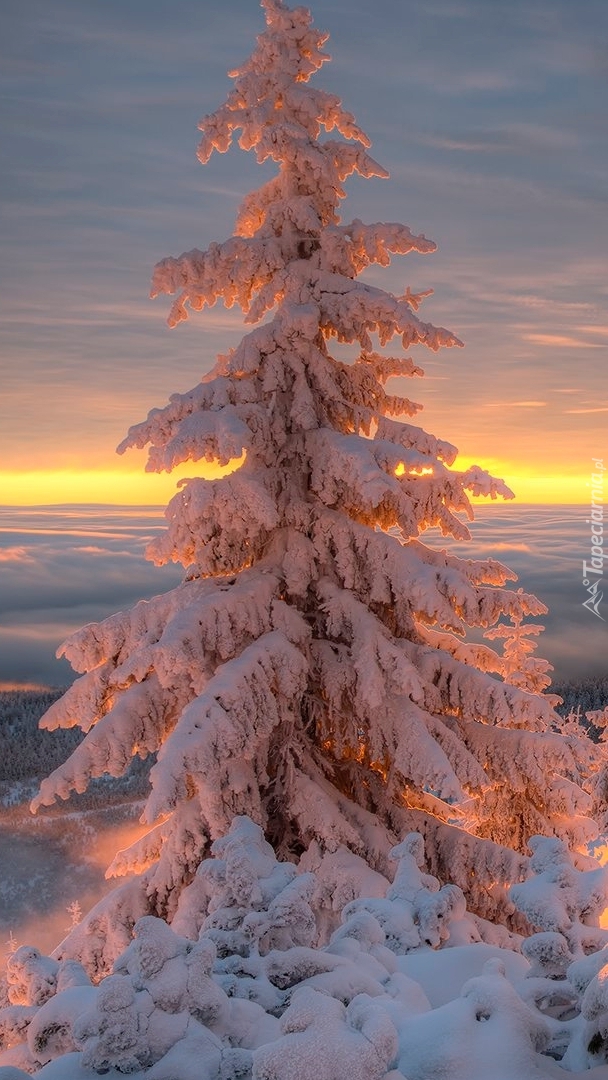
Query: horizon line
{"points": [[494, 503]]}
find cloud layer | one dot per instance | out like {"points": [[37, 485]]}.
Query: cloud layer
{"points": [[62, 568]]}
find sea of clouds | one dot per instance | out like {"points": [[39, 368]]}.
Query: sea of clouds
{"points": [[62, 567]]}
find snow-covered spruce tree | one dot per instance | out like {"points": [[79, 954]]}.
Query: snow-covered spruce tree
{"points": [[312, 670]]}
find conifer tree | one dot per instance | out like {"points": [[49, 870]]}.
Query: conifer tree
{"points": [[313, 669], [520, 667]]}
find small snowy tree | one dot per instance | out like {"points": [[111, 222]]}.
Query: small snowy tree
{"points": [[520, 667], [74, 910], [312, 670]]}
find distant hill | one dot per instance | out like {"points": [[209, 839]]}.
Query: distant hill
{"points": [[25, 751]]}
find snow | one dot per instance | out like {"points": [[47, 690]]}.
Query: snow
{"points": [[259, 993], [443, 974]]}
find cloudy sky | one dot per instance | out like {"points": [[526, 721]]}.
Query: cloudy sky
{"points": [[492, 120]]}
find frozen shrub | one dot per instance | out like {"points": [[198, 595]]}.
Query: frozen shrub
{"points": [[322, 1038]]}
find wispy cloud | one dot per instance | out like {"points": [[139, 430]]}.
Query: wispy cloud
{"points": [[15, 555], [549, 303], [472, 144], [83, 314], [505, 546], [561, 341], [515, 404], [532, 140], [602, 408], [594, 329]]}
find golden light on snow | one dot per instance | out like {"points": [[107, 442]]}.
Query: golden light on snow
{"points": [[113, 842], [424, 471], [600, 852]]}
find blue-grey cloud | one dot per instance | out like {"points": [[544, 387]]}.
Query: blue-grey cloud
{"points": [[546, 546], [61, 569]]}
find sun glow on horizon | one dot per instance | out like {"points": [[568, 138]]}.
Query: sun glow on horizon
{"points": [[530, 485], [130, 487], [42, 487]]}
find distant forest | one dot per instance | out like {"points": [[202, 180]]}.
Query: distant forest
{"points": [[587, 694], [28, 754]]}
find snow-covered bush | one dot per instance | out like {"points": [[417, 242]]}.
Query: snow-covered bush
{"points": [[31, 977], [588, 1045], [568, 976], [244, 900], [323, 1038], [562, 899], [416, 909], [359, 1007]]}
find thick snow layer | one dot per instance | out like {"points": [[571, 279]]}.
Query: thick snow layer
{"points": [[258, 993], [443, 974]]}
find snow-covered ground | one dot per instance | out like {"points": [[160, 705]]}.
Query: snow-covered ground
{"points": [[405, 989]]}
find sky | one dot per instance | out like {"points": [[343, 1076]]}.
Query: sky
{"points": [[491, 119]]}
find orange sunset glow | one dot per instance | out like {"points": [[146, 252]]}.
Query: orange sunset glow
{"points": [[124, 485], [121, 486], [503, 184], [530, 485]]}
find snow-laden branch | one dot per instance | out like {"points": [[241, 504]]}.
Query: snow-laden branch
{"points": [[223, 733]]}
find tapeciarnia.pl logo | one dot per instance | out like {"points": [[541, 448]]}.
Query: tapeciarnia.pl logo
{"points": [[593, 571]]}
